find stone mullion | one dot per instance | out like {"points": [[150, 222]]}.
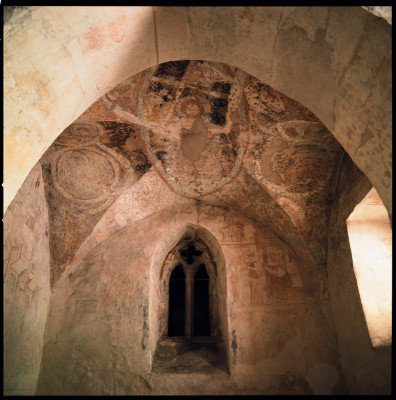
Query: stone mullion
{"points": [[189, 303]]}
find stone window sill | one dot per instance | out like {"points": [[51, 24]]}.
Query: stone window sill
{"points": [[198, 355]]}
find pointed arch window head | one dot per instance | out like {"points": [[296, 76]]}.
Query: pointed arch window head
{"points": [[178, 273], [201, 273]]}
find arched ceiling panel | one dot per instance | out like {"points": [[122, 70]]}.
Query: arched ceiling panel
{"points": [[212, 134]]}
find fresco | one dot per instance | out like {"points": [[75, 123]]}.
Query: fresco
{"points": [[211, 133]]}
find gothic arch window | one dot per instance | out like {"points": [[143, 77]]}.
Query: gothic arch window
{"points": [[189, 293], [190, 307]]}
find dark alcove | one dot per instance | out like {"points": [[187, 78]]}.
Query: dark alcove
{"points": [[177, 299], [201, 302], [189, 307]]}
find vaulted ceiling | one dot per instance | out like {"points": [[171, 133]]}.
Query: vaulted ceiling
{"points": [[212, 134]]}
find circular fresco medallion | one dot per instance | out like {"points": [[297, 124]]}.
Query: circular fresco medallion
{"points": [[85, 174]]}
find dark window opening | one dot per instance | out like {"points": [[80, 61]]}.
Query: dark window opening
{"points": [[201, 302], [190, 332], [194, 350], [190, 253], [177, 300]]}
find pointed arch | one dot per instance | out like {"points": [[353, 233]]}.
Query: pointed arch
{"points": [[167, 258]]}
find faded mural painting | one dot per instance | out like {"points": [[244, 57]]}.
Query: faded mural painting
{"points": [[222, 151]]}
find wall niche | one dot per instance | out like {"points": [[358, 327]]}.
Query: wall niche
{"points": [[190, 335]]}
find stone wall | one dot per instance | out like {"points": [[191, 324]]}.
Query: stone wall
{"points": [[367, 369], [98, 339], [26, 285]]}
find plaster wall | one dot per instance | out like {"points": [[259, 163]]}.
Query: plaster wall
{"points": [[367, 369], [98, 334], [59, 60], [26, 285]]}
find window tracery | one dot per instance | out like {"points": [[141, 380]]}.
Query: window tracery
{"points": [[188, 283]]}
